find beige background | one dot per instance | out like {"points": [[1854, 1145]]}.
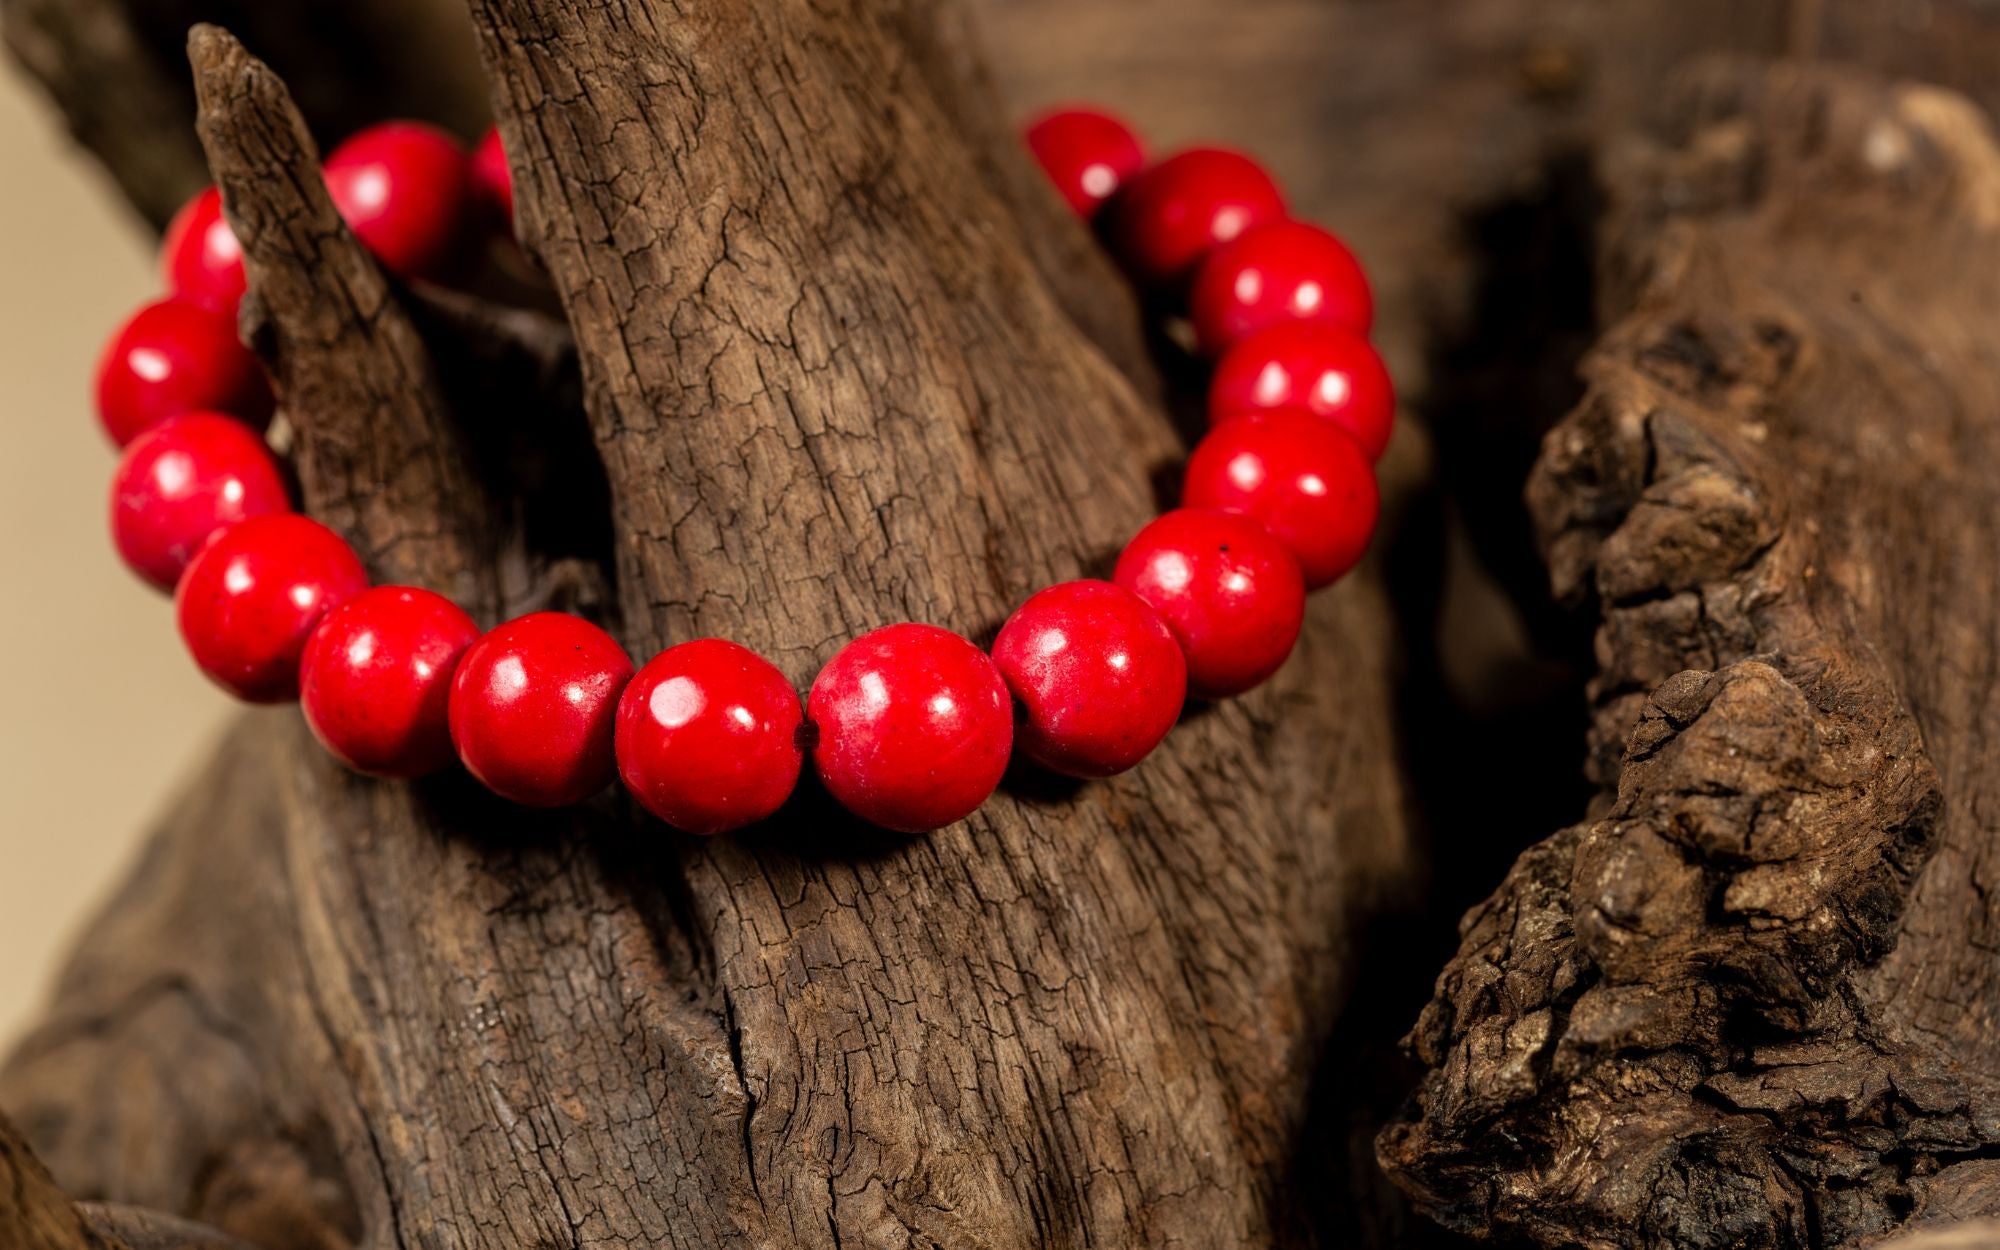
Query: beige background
{"points": [[101, 713]]}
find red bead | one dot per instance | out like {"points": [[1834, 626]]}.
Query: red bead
{"points": [[492, 180], [1281, 271], [1328, 371], [914, 727], [708, 736], [200, 257], [1169, 217], [174, 357], [1098, 673], [534, 708], [375, 680], [252, 596], [182, 482], [404, 189], [1302, 478], [1231, 594], [1088, 155]]}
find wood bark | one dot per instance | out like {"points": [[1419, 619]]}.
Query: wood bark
{"points": [[1747, 1001], [834, 357], [830, 385]]}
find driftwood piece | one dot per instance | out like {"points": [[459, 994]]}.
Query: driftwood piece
{"points": [[379, 456], [1091, 1014], [805, 273], [1749, 1001]]}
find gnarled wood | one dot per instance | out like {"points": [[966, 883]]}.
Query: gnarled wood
{"points": [[379, 456], [843, 363], [1086, 1015], [1741, 1005]]}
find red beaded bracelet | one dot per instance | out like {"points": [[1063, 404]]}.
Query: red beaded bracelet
{"points": [[911, 726]]}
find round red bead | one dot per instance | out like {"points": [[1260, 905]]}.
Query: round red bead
{"points": [[1098, 674], [200, 257], [1087, 154], [1281, 271], [252, 596], [492, 180], [403, 188], [914, 727], [174, 357], [1302, 478], [1169, 217], [182, 482], [1231, 594], [375, 680], [1328, 371], [534, 708], [708, 736]]}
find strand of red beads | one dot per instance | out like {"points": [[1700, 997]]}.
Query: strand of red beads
{"points": [[912, 725]]}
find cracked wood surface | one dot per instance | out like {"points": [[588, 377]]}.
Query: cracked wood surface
{"points": [[1750, 1001], [424, 1019], [378, 453], [830, 387]]}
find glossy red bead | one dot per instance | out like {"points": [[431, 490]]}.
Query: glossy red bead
{"points": [[405, 189], [1231, 594], [375, 680], [1302, 478], [1087, 154], [708, 736], [1169, 217], [174, 357], [534, 708], [200, 257], [492, 180], [182, 482], [1098, 676], [1281, 271], [914, 727], [1331, 372], [250, 599]]}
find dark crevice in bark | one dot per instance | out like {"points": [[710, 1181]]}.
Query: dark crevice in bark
{"points": [[1492, 699], [1481, 712]]}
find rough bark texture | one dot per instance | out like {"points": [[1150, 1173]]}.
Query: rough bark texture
{"points": [[838, 359], [1749, 1002], [377, 451], [830, 387]]}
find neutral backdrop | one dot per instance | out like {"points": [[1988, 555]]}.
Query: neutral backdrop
{"points": [[101, 716]]}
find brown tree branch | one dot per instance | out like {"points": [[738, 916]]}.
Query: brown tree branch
{"points": [[378, 454]]}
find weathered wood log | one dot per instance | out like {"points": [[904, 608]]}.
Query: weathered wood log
{"points": [[1749, 1002], [1084, 1016], [1129, 1014]]}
